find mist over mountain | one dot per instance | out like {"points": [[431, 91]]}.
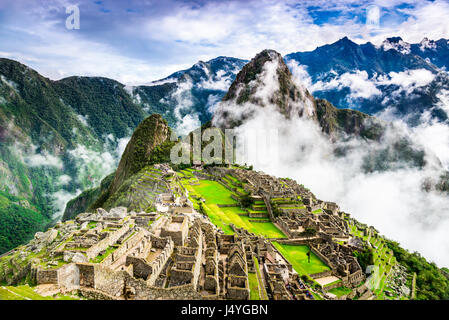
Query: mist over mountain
{"points": [[375, 169], [185, 98]]}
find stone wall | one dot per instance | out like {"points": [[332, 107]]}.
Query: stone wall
{"points": [[123, 249], [178, 236], [333, 286], [321, 274], [47, 276], [102, 245], [106, 280], [69, 277], [141, 269], [87, 275], [158, 264]]}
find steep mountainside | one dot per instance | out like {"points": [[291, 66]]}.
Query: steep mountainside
{"points": [[132, 181], [266, 81], [351, 122], [52, 134], [151, 133]]}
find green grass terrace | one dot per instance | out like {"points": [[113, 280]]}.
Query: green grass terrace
{"points": [[297, 256], [216, 194]]}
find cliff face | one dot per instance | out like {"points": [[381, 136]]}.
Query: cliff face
{"points": [[152, 132]]}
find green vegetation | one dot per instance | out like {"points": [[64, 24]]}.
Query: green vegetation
{"points": [[253, 287], [340, 291], [378, 255], [431, 282], [262, 292], [17, 223], [84, 201], [297, 256], [101, 257], [214, 193], [25, 292], [365, 257]]}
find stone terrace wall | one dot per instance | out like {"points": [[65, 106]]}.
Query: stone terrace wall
{"points": [[106, 280], [145, 292], [69, 277], [321, 274], [47, 277], [141, 269], [131, 242], [158, 264], [87, 275], [112, 238]]}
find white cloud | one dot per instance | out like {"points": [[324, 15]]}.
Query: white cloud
{"points": [[64, 180], [408, 80], [83, 119], [60, 199], [186, 33], [359, 83], [37, 159]]}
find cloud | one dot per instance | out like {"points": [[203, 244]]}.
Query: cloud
{"points": [[358, 82], [83, 119], [407, 80], [60, 199], [163, 37], [360, 85], [33, 158], [64, 180]]}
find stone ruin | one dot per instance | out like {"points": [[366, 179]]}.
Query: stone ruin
{"points": [[177, 253]]}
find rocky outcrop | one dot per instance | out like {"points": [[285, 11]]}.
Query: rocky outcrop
{"points": [[152, 132]]}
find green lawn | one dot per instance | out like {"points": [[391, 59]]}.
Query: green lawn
{"points": [[7, 295], [222, 217], [253, 287], [340, 291], [213, 192], [297, 256]]}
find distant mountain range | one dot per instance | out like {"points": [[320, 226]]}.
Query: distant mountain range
{"points": [[406, 78]]}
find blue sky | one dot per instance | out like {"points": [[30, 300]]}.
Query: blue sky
{"points": [[141, 41]]}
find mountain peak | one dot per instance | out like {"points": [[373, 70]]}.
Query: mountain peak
{"points": [[394, 39], [153, 131], [344, 40], [265, 80], [396, 43]]}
